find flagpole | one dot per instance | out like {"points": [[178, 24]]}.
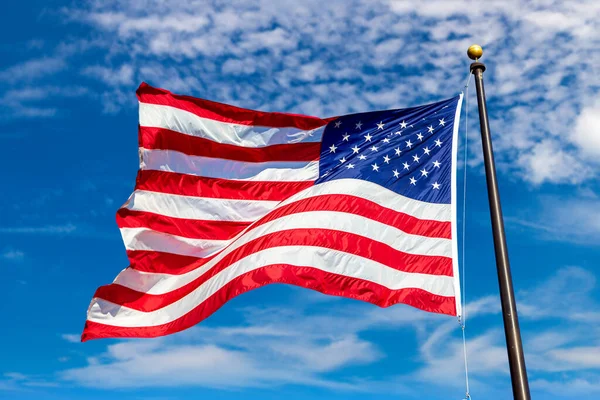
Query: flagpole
{"points": [[516, 359]]}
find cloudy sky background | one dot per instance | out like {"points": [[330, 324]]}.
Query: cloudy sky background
{"points": [[68, 73]]}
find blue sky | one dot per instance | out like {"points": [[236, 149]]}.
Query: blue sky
{"points": [[68, 72]]}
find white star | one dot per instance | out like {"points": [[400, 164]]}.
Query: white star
{"points": [[430, 129], [346, 137], [409, 144], [350, 166], [362, 157], [416, 158], [358, 125], [355, 149], [343, 160], [436, 164], [419, 136], [399, 133], [413, 181], [373, 148], [332, 148], [368, 137], [380, 125], [386, 159], [338, 123], [426, 150], [442, 122], [386, 140], [438, 143], [411, 126], [396, 173], [375, 167], [403, 125], [398, 151], [424, 172], [436, 186], [406, 166]]}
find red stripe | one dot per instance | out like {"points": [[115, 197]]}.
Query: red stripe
{"points": [[164, 139], [195, 229], [330, 239], [226, 113], [189, 185], [311, 278], [167, 263]]}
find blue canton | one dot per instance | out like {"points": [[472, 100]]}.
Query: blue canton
{"points": [[408, 151]]}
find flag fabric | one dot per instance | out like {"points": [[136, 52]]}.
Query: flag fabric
{"points": [[228, 200]]}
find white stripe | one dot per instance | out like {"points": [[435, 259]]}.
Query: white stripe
{"points": [[327, 260], [200, 208], [377, 194], [147, 239], [174, 161], [175, 119], [454, 202], [162, 283]]}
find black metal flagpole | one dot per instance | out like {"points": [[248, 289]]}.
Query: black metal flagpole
{"points": [[516, 359]]}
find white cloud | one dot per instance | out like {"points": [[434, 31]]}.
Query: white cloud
{"points": [[32, 69], [341, 353], [13, 255], [569, 388], [548, 161], [15, 381], [566, 218], [276, 40], [33, 101], [565, 301], [48, 229], [132, 365], [567, 294], [224, 359], [581, 357], [586, 134], [120, 76], [71, 338]]}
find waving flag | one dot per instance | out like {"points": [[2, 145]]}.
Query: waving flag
{"points": [[228, 200]]}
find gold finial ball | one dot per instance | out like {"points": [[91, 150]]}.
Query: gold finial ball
{"points": [[475, 52]]}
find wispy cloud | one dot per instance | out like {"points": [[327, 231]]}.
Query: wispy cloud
{"points": [[36, 101], [15, 381], [567, 218], [193, 361], [42, 230], [569, 388], [121, 76], [564, 302], [586, 134], [13, 255], [33, 69], [71, 337]]}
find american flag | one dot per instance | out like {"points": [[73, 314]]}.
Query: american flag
{"points": [[228, 200]]}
